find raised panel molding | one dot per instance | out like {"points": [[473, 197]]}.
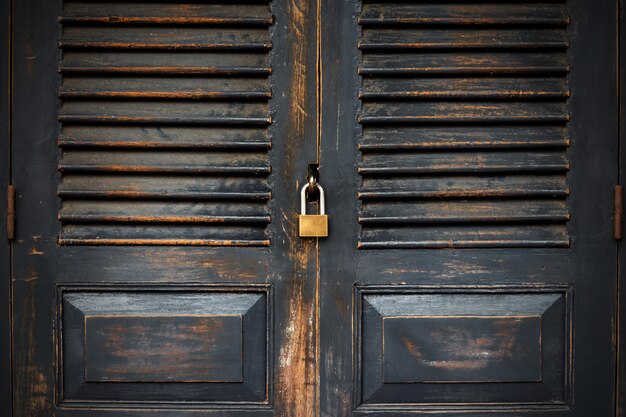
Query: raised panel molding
{"points": [[164, 345], [422, 347]]}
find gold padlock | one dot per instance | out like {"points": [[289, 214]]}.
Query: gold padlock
{"points": [[313, 225]]}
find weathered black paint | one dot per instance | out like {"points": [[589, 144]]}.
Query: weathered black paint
{"points": [[583, 265], [314, 307], [289, 267], [6, 390]]}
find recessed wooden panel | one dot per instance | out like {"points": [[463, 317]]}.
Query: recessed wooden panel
{"points": [[163, 348], [430, 346], [164, 345], [461, 349]]}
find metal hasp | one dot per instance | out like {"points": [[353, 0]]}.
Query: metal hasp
{"points": [[313, 225]]}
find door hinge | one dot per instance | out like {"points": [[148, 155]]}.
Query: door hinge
{"points": [[618, 212], [10, 212]]}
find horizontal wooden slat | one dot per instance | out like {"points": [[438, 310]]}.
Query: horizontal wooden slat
{"points": [[165, 13], [169, 88], [464, 88], [120, 211], [163, 187], [464, 111], [171, 234], [464, 187], [164, 123], [472, 211], [179, 112], [467, 14], [465, 237], [464, 63], [200, 38], [463, 137], [164, 137], [165, 162], [181, 63], [395, 38], [466, 162], [469, 112]]}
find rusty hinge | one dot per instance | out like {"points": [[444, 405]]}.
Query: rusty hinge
{"points": [[10, 212], [618, 212]]}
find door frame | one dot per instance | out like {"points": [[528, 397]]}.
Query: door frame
{"points": [[6, 353], [6, 42]]}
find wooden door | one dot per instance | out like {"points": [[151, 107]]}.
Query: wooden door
{"points": [[156, 150], [468, 152], [470, 267]]}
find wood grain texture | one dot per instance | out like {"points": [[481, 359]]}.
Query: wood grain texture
{"points": [[6, 337], [165, 13], [163, 348], [478, 38], [471, 14], [462, 137], [190, 38], [165, 63], [164, 103], [171, 137], [461, 349], [461, 63], [463, 346], [164, 345], [463, 101]]}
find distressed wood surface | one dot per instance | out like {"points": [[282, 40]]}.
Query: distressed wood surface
{"points": [[487, 117], [172, 137], [407, 324], [488, 200], [450, 163], [392, 38], [464, 88], [172, 182], [441, 101], [165, 13], [460, 63], [464, 211], [470, 14], [176, 348], [462, 349], [197, 38], [165, 63], [160, 345], [164, 88], [111, 112], [6, 394], [462, 137]]}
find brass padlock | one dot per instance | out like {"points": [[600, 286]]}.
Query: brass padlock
{"points": [[313, 225]]}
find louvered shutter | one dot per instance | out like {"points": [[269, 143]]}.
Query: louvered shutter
{"points": [[165, 121], [464, 125]]}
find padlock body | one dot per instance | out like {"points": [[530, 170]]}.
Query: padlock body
{"points": [[313, 225]]}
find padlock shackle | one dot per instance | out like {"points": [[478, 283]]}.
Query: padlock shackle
{"points": [[322, 204]]}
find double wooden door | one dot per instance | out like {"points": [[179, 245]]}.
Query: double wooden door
{"points": [[468, 152]]}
